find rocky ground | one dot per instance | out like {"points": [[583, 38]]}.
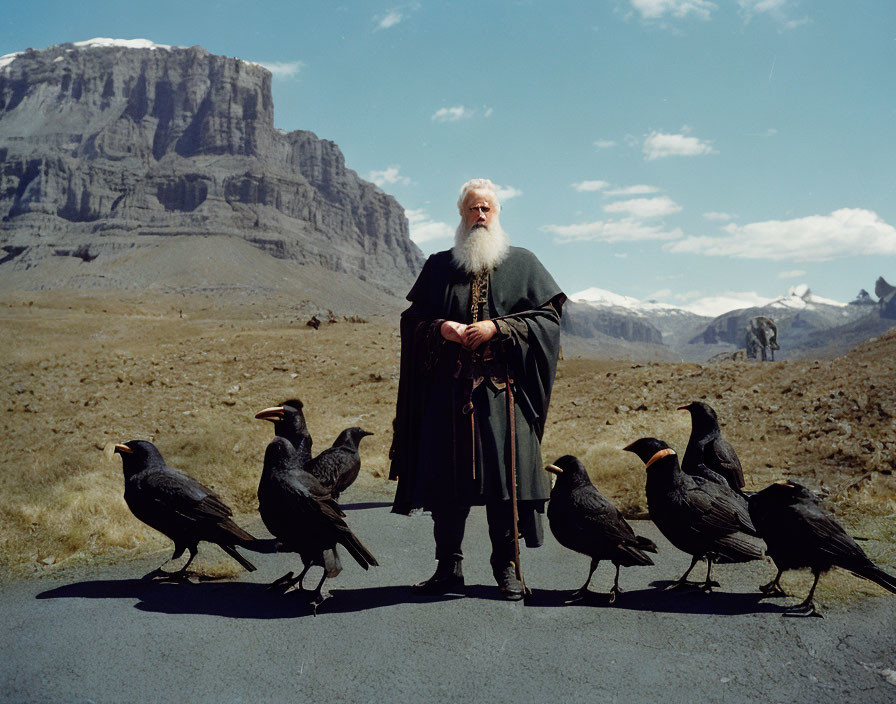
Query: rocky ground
{"points": [[189, 373]]}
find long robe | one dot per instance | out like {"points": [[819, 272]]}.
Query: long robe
{"points": [[432, 458]]}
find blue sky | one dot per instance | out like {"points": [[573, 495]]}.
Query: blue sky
{"points": [[669, 149]]}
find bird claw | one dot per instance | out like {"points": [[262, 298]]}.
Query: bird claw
{"points": [[706, 587], [319, 598], [771, 589], [683, 585], [577, 595], [614, 592], [161, 575], [282, 585], [803, 610]]}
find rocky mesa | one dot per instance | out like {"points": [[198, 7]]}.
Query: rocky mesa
{"points": [[107, 146]]}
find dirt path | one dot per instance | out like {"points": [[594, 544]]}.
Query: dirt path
{"points": [[101, 635]]}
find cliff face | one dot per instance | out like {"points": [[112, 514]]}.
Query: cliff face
{"points": [[104, 148]]}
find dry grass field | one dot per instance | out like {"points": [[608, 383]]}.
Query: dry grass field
{"points": [[85, 370]]}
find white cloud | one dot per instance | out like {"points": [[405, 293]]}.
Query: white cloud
{"points": [[718, 216], [388, 176], [453, 114], [658, 145], [588, 186], [638, 190], [390, 19], [791, 274], [625, 230], [844, 233], [778, 10], [507, 192], [644, 207], [655, 9], [604, 143], [282, 69], [422, 229], [395, 15]]}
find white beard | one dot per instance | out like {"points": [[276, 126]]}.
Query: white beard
{"points": [[480, 249]]}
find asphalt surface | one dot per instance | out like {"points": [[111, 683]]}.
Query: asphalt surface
{"points": [[102, 635]]}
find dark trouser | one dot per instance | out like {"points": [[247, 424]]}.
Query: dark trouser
{"points": [[448, 531]]}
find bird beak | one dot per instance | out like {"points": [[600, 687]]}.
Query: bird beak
{"points": [[553, 469], [784, 482], [123, 449], [628, 448], [682, 408], [272, 414], [366, 433], [658, 456]]}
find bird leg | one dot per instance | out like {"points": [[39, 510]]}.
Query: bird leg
{"points": [[318, 596], [283, 584], [615, 591], [807, 608], [709, 583], [180, 575], [773, 588], [582, 591], [683, 582]]}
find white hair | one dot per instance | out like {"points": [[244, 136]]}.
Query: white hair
{"points": [[478, 184]]}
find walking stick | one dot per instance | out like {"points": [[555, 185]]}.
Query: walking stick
{"points": [[511, 419]]}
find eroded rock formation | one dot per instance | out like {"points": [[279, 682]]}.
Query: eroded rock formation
{"points": [[104, 148]]}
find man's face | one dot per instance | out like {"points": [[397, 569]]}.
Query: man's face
{"points": [[479, 209]]}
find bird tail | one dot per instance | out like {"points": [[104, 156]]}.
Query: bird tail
{"points": [[877, 575], [332, 563], [630, 556], [231, 550], [645, 544], [357, 550], [737, 547]]}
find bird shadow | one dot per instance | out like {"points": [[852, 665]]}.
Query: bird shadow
{"points": [[660, 600], [240, 600]]}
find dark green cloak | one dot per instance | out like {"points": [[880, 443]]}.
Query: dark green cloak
{"points": [[525, 303]]}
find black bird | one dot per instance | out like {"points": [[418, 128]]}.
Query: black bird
{"points": [[300, 512], [289, 423], [707, 447], [800, 532], [584, 520], [177, 505], [701, 517], [336, 467]]}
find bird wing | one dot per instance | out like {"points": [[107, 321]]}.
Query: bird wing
{"points": [[722, 458], [817, 529], [329, 465], [592, 517], [716, 506], [168, 490]]}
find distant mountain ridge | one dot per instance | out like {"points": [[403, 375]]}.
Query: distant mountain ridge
{"points": [[807, 323], [108, 145]]}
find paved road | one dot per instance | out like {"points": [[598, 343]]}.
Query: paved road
{"points": [[101, 635]]}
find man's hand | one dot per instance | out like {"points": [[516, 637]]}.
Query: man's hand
{"points": [[453, 332], [478, 333]]}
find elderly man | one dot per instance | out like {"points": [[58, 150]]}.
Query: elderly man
{"points": [[479, 347]]}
